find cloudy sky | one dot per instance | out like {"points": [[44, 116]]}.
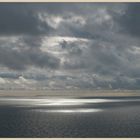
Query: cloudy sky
{"points": [[70, 46]]}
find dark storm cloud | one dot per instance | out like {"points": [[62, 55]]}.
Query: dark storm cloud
{"points": [[73, 48], [9, 75], [108, 57], [43, 59], [30, 41], [21, 19], [98, 57], [130, 20], [98, 18], [24, 18], [20, 60]]}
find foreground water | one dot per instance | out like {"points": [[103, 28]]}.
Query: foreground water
{"points": [[70, 117]]}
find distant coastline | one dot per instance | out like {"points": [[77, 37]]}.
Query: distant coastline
{"points": [[77, 92]]}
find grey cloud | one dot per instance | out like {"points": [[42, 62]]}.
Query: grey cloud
{"points": [[30, 41], [100, 22], [42, 59], [110, 59], [130, 20], [21, 19], [72, 47], [110, 53], [20, 60], [9, 75]]}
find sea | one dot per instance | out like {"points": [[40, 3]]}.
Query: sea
{"points": [[69, 117]]}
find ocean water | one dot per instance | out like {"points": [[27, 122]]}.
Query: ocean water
{"points": [[81, 117]]}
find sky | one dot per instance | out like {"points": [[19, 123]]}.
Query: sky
{"points": [[69, 46]]}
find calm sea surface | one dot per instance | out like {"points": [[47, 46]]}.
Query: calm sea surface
{"points": [[70, 117]]}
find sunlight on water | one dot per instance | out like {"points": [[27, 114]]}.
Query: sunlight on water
{"points": [[58, 101], [68, 110]]}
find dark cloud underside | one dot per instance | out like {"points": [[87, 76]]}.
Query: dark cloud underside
{"points": [[20, 19], [70, 45]]}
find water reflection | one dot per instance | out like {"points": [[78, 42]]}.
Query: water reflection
{"points": [[69, 110], [58, 101]]}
